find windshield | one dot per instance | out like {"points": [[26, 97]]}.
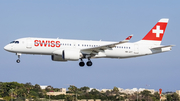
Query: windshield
{"points": [[12, 41], [17, 42]]}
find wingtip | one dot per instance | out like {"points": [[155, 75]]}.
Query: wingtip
{"points": [[129, 37]]}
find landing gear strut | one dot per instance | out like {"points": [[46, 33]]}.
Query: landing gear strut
{"points": [[89, 63], [18, 60], [81, 63]]}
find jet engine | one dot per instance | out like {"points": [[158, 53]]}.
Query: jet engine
{"points": [[66, 55], [72, 55], [57, 58]]}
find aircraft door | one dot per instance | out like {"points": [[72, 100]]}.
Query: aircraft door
{"points": [[136, 49], [29, 43]]}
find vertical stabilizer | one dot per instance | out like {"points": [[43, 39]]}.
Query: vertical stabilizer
{"points": [[157, 32]]}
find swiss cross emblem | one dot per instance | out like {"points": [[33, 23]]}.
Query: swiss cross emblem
{"points": [[128, 38], [157, 31]]}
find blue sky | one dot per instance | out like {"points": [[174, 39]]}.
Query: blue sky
{"points": [[92, 20]]}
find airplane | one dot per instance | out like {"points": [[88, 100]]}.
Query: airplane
{"points": [[74, 50]]}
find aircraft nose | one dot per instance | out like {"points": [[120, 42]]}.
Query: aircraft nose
{"points": [[7, 48]]}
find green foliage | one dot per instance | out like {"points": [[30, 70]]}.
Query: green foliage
{"points": [[73, 88], [146, 93], [172, 97], [49, 88], [169, 98], [84, 89], [115, 89], [20, 92], [20, 99], [7, 98], [57, 97], [69, 98]]}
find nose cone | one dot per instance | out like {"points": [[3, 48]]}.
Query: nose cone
{"points": [[7, 48]]}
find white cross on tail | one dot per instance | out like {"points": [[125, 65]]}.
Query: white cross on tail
{"points": [[157, 31]]}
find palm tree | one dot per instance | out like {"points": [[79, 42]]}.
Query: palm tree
{"points": [[11, 91]]}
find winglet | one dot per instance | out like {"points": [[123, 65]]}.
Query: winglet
{"points": [[128, 38]]}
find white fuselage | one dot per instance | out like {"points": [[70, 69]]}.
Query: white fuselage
{"points": [[47, 46], [73, 50]]}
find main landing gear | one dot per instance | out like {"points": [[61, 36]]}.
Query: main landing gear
{"points": [[18, 60], [89, 63], [81, 63]]}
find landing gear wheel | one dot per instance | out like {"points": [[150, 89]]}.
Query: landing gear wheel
{"points": [[89, 63], [18, 61], [81, 64]]}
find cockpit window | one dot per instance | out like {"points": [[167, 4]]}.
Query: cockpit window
{"points": [[17, 42], [12, 42]]}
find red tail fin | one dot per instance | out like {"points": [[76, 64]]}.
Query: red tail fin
{"points": [[157, 32]]}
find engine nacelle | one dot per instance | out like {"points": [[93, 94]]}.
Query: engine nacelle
{"points": [[65, 55], [57, 58], [72, 55]]}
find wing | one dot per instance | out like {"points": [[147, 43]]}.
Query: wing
{"points": [[94, 50]]}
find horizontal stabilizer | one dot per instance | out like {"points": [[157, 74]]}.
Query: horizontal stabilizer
{"points": [[162, 47]]}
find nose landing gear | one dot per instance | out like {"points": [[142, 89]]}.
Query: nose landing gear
{"points": [[18, 60]]}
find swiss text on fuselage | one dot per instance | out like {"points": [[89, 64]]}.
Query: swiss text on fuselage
{"points": [[47, 43]]}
